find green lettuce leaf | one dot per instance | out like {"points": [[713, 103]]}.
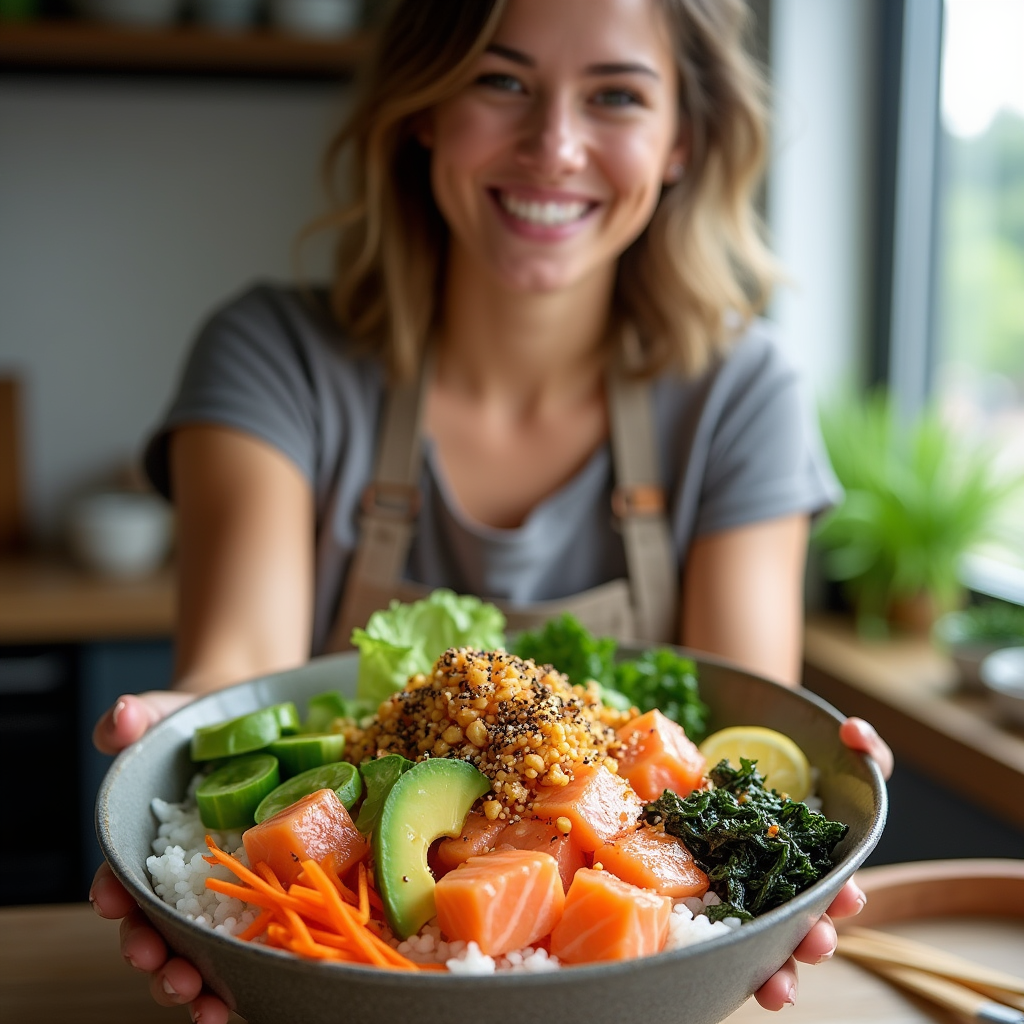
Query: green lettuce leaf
{"points": [[409, 638]]}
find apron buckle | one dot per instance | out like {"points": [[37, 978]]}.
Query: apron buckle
{"points": [[391, 500], [637, 500]]}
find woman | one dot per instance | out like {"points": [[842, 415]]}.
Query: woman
{"points": [[538, 376]]}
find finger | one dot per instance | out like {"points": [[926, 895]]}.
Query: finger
{"points": [[850, 901], [176, 983], [780, 989], [132, 715], [208, 1009], [108, 896], [859, 735], [819, 943], [141, 944]]}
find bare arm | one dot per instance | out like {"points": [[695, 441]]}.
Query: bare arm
{"points": [[743, 596], [244, 558]]}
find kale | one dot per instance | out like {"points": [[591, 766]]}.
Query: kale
{"points": [[662, 679], [567, 646], [759, 849], [658, 678]]}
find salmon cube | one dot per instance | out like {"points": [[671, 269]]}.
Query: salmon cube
{"points": [[542, 835], [503, 900], [598, 804], [606, 918], [653, 860], [657, 755], [312, 828], [478, 835]]}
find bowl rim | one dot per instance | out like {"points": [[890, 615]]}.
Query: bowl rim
{"points": [[152, 904]]}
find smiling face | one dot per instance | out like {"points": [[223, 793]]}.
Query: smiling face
{"points": [[550, 162]]}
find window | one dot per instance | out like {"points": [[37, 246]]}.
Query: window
{"points": [[978, 309], [951, 246]]}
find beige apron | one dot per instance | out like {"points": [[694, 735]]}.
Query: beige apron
{"points": [[642, 608]]}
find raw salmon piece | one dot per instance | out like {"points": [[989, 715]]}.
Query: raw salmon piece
{"points": [[503, 900], [598, 804], [478, 835], [309, 829], [542, 835], [653, 860], [657, 755], [606, 918]]}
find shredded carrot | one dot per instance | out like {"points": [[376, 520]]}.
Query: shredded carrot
{"points": [[317, 917]]}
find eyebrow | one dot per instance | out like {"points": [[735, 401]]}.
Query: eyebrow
{"points": [[623, 68]]}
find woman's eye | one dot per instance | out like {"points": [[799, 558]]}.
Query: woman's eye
{"points": [[617, 98], [502, 82]]}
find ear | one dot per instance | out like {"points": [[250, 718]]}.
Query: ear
{"points": [[423, 128], [677, 159]]}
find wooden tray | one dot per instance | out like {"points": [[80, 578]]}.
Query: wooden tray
{"points": [[941, 888]]}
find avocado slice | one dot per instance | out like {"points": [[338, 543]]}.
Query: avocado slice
{"points": [[428, 801]]}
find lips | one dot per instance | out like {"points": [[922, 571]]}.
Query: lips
{"points": [[543, 213]]}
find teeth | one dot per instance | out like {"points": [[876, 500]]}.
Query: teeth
{"points": [[549, 214]]}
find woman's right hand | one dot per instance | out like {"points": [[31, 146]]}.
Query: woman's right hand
{"points": [[173, 981]]}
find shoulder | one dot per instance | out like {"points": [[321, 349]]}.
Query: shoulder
{"points": [[754, 368]]}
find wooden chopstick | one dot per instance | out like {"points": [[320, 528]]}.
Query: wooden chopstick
{"points": [[953, 982], [948, 993], [866, 943]]}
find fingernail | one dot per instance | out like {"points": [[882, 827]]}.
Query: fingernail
{"points": [[116, 713], [130, 961], [861, 895], [790, 999], [169, 988], [196, 1015]]}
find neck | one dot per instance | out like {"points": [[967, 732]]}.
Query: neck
{"points": [[524, 350]]}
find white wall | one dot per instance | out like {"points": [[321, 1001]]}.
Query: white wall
{"points": [[820, 185], [128, 209]]}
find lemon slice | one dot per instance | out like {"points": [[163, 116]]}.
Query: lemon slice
{"points": [[781, 762]]}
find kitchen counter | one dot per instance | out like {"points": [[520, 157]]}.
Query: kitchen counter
{"points": [[911, 694], [50, 600]]}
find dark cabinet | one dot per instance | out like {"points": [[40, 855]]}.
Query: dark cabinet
{"points": [[50, 698]]}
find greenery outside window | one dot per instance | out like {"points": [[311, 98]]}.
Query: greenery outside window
{"points": [[977, 343]]}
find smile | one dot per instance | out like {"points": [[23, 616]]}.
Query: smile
{"points": [[548, 214]]}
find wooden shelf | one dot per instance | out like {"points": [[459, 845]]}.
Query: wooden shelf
{"points": [[68, 45]]}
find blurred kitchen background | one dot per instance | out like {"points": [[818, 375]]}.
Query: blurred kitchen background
{"points": [[156, 158]]}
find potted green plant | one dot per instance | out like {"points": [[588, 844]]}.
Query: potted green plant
{"points": [[917, 498]]}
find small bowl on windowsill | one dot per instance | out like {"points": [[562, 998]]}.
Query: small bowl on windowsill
{"points": [[1002, 674]]}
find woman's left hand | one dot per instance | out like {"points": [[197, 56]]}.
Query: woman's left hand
{"points": [[820, 942]]}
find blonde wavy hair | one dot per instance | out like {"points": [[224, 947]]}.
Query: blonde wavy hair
{"points": [[698, 273]]}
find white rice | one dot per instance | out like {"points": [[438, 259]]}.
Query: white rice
{"points": [[179, 871], [179, 875]]}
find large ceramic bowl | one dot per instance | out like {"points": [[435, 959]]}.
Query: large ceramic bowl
{"points": [[701, 984]]}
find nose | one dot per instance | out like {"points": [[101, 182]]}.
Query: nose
{"points": [[554, 137]]}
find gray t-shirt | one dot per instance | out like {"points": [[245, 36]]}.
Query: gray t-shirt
{"points": [[737, 446]]}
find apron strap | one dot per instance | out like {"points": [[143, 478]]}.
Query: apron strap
{"points": [[390, 504], [638, 502]]}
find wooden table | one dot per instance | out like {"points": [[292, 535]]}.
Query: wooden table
{"points": [[61, 964]]}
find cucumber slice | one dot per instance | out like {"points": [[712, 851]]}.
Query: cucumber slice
{"points": [[244, 734], [300, 753], [341, 776], [229, 795]]}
